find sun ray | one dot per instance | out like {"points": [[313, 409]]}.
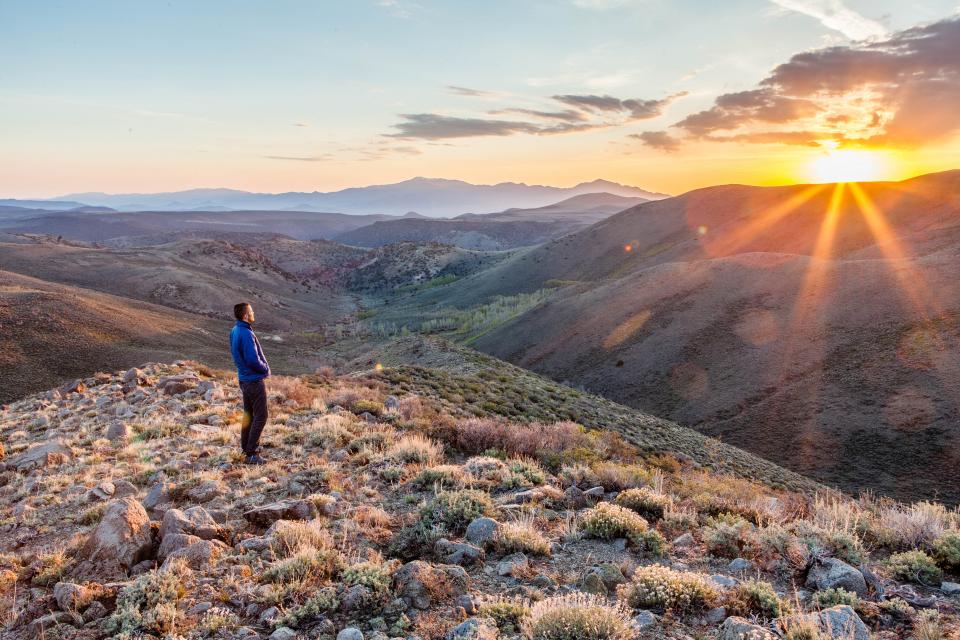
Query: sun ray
{"points": [[732, 241]]}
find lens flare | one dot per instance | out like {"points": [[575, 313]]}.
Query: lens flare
{"points": [[849, 165]]}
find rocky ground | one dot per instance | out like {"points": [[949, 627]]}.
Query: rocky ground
{"points": [[385, 513]]}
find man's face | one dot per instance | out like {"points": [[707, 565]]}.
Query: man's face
{"points": [[248, 316]]}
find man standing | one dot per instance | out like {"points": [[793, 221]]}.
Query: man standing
{"points": [[252, 368]]}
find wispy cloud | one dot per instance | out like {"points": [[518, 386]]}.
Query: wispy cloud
{"points": [[399, 8], [472, 93], [658, 140], [301, 124], [322, 158], [833, 14], [584, 113]]}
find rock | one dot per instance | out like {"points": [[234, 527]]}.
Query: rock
{"points": [[391, 403], [73, 597], [38, 627], [118, 431], [594, 493], [123, 489], [724, 582], [513, 565], [644, 620], [686, 540], [158, 496], [840, 621], [283, 510], [592, 583], [284, 633], [608, 573], [194, 521], [41, 456], [350, 633], [205, 491], [174, 542], [457, 552], [418, 582], [467, 603], [122, 538], [542, 581], [77, 386], [574, 497], [831, 573], [950, 588], [198, 555], [95, 611], [103, 491], [715, 615], [175, 385], [738, 565], [356, 598], [737, 628], [482, 531], [472, 629]]}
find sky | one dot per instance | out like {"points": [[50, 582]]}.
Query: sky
{"points": [[312, 95]]}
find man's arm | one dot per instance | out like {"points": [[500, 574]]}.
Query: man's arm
{"points": [[250, 356]]}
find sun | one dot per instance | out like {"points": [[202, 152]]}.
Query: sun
{"points": [[850, 165]]}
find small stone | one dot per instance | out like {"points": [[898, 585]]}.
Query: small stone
{"points": [[738, 565], [831, 573], [725, 582], [950, 588], [644, 620], [118, 431], [457, 552], [594, 493], [513, 565], [95, 611], [284, 633], [737, 628], [542, 581], [283, 510], [482, 531], [686, 540], [472, 629], [715, 615], [350, 633]]}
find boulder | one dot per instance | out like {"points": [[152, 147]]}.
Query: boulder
{"points": [[831, 573], [41, 456], [473, 629], [122, 538], [198, 555], [158, 497], [195, 521], [283, 510], [75, 597], [101, 492], [77, 386], [514, 565], [174, 542], [350, 633], [118, 432]]}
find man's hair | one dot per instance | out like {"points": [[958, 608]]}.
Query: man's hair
{"points": [[239, 309]]}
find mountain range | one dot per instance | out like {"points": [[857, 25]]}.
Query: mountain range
{"points": [[433, 197]]}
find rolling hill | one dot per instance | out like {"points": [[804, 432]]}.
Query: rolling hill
{"points": [[824, 341]]}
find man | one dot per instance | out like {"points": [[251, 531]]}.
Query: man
{"points": [[252, 368]]}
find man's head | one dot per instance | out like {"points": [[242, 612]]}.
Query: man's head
{"points": [[243, 311]]}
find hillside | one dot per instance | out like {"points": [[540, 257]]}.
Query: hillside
{"points": [[711, 310], [386, 510], [509, 229]]}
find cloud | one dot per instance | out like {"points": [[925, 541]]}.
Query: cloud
{"points": [[399, 8], [300, 124], [637, 109], [322, 158], [833, 14], [588, 112], [900, 91], [602, 5], [658, 140], [471, 93]]}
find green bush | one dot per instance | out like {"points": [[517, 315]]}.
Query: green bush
{"points": [[370, 406], [507, 613], [833, 597], [325, 601], [726, 535], [946, 550], [577, 617], [755, 597], [148, 605], [649, 504], [659, 587], [456, 509], [446, 475], [317, 564], [915, 566], [607, 521]]}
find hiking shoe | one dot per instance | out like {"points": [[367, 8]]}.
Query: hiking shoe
{"points": [[254, 459]]}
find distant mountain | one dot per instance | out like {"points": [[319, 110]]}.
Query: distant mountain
{"points": [[432, 197], [508, 229], [58, 204]]}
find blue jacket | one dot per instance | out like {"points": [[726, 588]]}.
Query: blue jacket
{"points": [[247, 354]]}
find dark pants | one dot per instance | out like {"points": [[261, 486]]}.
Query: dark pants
{"points": [[254, 415]]}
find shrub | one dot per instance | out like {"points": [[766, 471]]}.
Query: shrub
{"points": [[294, 537], [755, 597], [608, 521], [618, 476], [535, 439], [523, 473], [507, 613], [835, 596], [649, 504], [456, 509], [148, 605], [445, 475], [909, 526], [324, 601], [416, 449], [577, 617], [315, 564], [659, 587], [915, 566], [926, 626], [368, 406], [522, 535], [219, 620], [946, 550], [725, 535], [375, 576], [486, 469]]}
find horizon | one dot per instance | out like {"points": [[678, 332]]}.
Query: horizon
{"points": [[669, 97]]}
